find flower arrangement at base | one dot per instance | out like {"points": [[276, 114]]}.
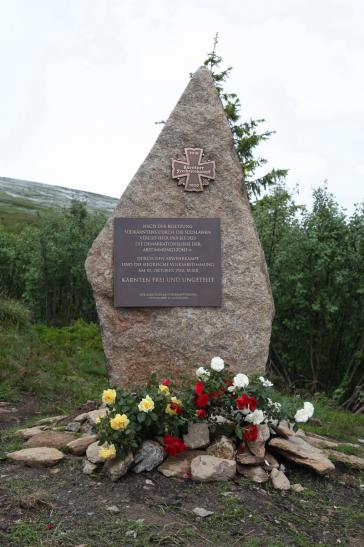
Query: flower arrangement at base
{"points": [[163, 411]]}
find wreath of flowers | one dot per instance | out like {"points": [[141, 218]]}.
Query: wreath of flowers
{"points": [[162, 410]]}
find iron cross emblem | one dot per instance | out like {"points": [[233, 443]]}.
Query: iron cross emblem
{"points": [[192, 173]]}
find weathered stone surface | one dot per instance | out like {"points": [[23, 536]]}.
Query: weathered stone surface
{"points": [[247, 458], [257, 447], [28, 432], [284, 429], [51, 439], [222, 448], [88, 467], [297, 450], [254, 473], [51, 420], [94, 416], [347, 459], [279, 480], [36, 457], [180, 465], [139, 340], [297, 487], [320, 442], [79, 446], [270, 461], [92, 453], [198, 436], [209, 468], [148, 457], [73, 426], [118, 467]]}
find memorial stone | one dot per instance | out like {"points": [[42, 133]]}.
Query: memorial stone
{"points": [[178, 272]]}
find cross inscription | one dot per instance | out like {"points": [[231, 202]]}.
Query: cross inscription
{"points": [[192, 173]]}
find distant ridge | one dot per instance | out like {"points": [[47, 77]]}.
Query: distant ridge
{"points": [[21, 200]]}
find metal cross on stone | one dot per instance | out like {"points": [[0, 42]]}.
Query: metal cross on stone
{"points": [[192, 173]]}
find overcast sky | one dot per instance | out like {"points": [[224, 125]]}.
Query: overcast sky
{"points": [[84, 81]]}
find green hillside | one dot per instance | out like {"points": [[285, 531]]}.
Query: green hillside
{"points": [[21, 201]]}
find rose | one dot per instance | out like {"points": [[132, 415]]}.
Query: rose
{"points": [[119, 422], [163, 389], [174, 407], [250, 433], [240, 380], [303, 414], [173, 445], [146, 404], [199, 388], [217, 364], [202, 400], [202, 372], [246, 403], [265, 383], [166, 382], [201, 413], [107, 452], [109, 396], [256, 417]]}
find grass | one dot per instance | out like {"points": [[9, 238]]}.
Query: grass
{"points": [[62, 367]]}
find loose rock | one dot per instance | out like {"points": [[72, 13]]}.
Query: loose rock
{"points": [[297, 487], [347, 459], [118, 467], [79, 446], [279, 480], [247, 458], [113, 509], [92, 453], [270, 462], [148, 457], [73, 426], [180, 465], [198, 436], [320, 442], [209, 468], [257, 447], [51, 439], [201, 512], [297, 450], [35, 457], [88, 467], [28, 432], [222, 448], [95, 415], [253, 472]]}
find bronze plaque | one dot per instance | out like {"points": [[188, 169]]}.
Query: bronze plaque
{"points": [[193, 174], [167, 262]]}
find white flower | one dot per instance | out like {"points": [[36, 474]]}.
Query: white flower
{"points": [[309, 408], [202, 372], [240, 380], [303, 414], [217, 364], [231, 389], [266, 383], [256, 417]]}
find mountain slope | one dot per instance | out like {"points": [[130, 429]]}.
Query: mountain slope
{"points": [[21, 200]]}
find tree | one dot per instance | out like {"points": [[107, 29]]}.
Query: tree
{"points": [[246, 134]]}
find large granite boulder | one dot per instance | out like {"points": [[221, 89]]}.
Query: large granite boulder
{"points": [[178, 339]]}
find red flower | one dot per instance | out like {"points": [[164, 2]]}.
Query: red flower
{"points": [[218, 393], [244, 402], [199, 387], [250, 433], [202, 400], [50, 526], [166, 382], [173, 446], [201, 413], [228, 383]]}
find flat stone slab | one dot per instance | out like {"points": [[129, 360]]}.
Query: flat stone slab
{"points": [[28, 432], [209, 468], [140, 340], [78, 447], [36, 457], [295, 449], [179, 466], [254, 473], [279, 480], [51, 439], [347, 459]]}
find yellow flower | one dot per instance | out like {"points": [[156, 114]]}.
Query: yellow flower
{"points": [[107, 452], [146, 404], [120, 421], [173, 406], [164, 389], [109, 396]]}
